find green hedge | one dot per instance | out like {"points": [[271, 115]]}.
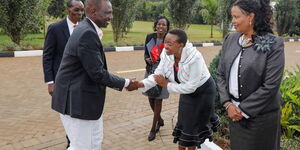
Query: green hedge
{"points": [[290, 111]]}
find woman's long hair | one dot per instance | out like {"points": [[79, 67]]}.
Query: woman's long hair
{"points": [[262, 9]]}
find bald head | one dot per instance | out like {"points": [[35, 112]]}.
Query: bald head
{"points": [[99, 11]]}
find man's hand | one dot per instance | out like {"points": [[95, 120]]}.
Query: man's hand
{"points": [[133, 85], [160, 80], [50, 88]]}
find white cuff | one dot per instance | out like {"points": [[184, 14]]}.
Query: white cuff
{"points": [[246, 116], [237, 105], [127, 81], [50, 82]]}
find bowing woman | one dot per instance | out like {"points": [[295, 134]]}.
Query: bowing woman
{"points": [[182, 70], [249, 75]]}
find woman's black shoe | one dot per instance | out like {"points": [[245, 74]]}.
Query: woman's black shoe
{"points": [[151, 135], [159, 124]]}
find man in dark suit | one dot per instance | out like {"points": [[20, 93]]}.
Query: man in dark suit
{"points": [[82, 78], [56, 40]]}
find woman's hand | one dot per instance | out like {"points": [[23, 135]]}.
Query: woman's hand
{"points": [[160, 80], [234, 113], [149, 60]]}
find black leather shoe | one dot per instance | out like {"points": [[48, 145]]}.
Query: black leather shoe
{"points": [[151, 135]]}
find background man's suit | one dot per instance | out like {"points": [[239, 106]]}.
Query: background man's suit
{"points": [[56, 39], [55, 42]]}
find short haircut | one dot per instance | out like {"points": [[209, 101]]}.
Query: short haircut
{"points": [[182, 37], [70, 3]]}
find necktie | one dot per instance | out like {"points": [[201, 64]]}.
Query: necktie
{"points": [[75, 25]]}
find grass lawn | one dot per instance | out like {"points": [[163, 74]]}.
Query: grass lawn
{"points": [[136, 36]]}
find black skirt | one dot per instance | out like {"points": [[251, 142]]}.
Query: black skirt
{"points": [[194, 114], [259, 133]]}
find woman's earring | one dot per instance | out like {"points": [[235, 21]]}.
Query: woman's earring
{"points": [[250, 23]]}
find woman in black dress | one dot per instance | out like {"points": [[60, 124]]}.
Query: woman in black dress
{"points": [[154, 44], [182, 70], [249, 76]]}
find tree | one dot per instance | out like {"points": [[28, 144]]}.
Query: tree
{"points": [[210, 13], [18, 17], [57, 8], [286, 16], [42, 14], [181, 12], [225, 6], [124, 15]]}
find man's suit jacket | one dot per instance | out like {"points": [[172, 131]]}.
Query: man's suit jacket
{"points": [[55, 42], [259, 75], [82, 76]]}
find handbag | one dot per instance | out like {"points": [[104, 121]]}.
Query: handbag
{"points": [[156, 90]]}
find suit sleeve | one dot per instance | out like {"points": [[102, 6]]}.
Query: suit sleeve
{"points": [[220, 76], [259, 99], [91, 59], [48, 52]]}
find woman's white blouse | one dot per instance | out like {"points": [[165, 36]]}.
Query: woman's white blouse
{"points": [[192, 72]]}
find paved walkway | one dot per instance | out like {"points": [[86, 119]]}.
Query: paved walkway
{"points": [[27, 122]]}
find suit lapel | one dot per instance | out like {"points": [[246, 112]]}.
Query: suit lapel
{"points": [[101, 47], [66, 29], [235, 49]]}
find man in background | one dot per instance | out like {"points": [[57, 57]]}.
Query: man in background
{"points": [[56, 39]]}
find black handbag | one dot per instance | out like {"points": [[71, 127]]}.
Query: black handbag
{"points": [[156, 90]]}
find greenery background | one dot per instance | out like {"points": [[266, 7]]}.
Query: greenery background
{"points": [[136, 36]]}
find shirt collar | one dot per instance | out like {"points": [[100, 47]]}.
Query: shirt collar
{"points": [[70, 23], [99, 31]]}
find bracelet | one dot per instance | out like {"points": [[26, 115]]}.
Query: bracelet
{"points": [[228, 106]]}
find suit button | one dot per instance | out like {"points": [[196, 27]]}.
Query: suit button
{"points": [[240, 94], [241, 86], [239, 75], [240, 66]]}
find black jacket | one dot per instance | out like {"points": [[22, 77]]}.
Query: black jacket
{"points": [[55, 42], [82, 77], [259, 75]]}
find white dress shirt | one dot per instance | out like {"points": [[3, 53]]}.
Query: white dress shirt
{"points": [[71, 25], [233, 81]]}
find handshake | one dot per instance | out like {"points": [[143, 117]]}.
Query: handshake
{"points": [[159, 79], [134, 85]]}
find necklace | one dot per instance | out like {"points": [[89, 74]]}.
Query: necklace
{"points": [[176, 67], [244, 41]]}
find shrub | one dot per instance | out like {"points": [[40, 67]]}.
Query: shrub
{"points": [[290, 111]]}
